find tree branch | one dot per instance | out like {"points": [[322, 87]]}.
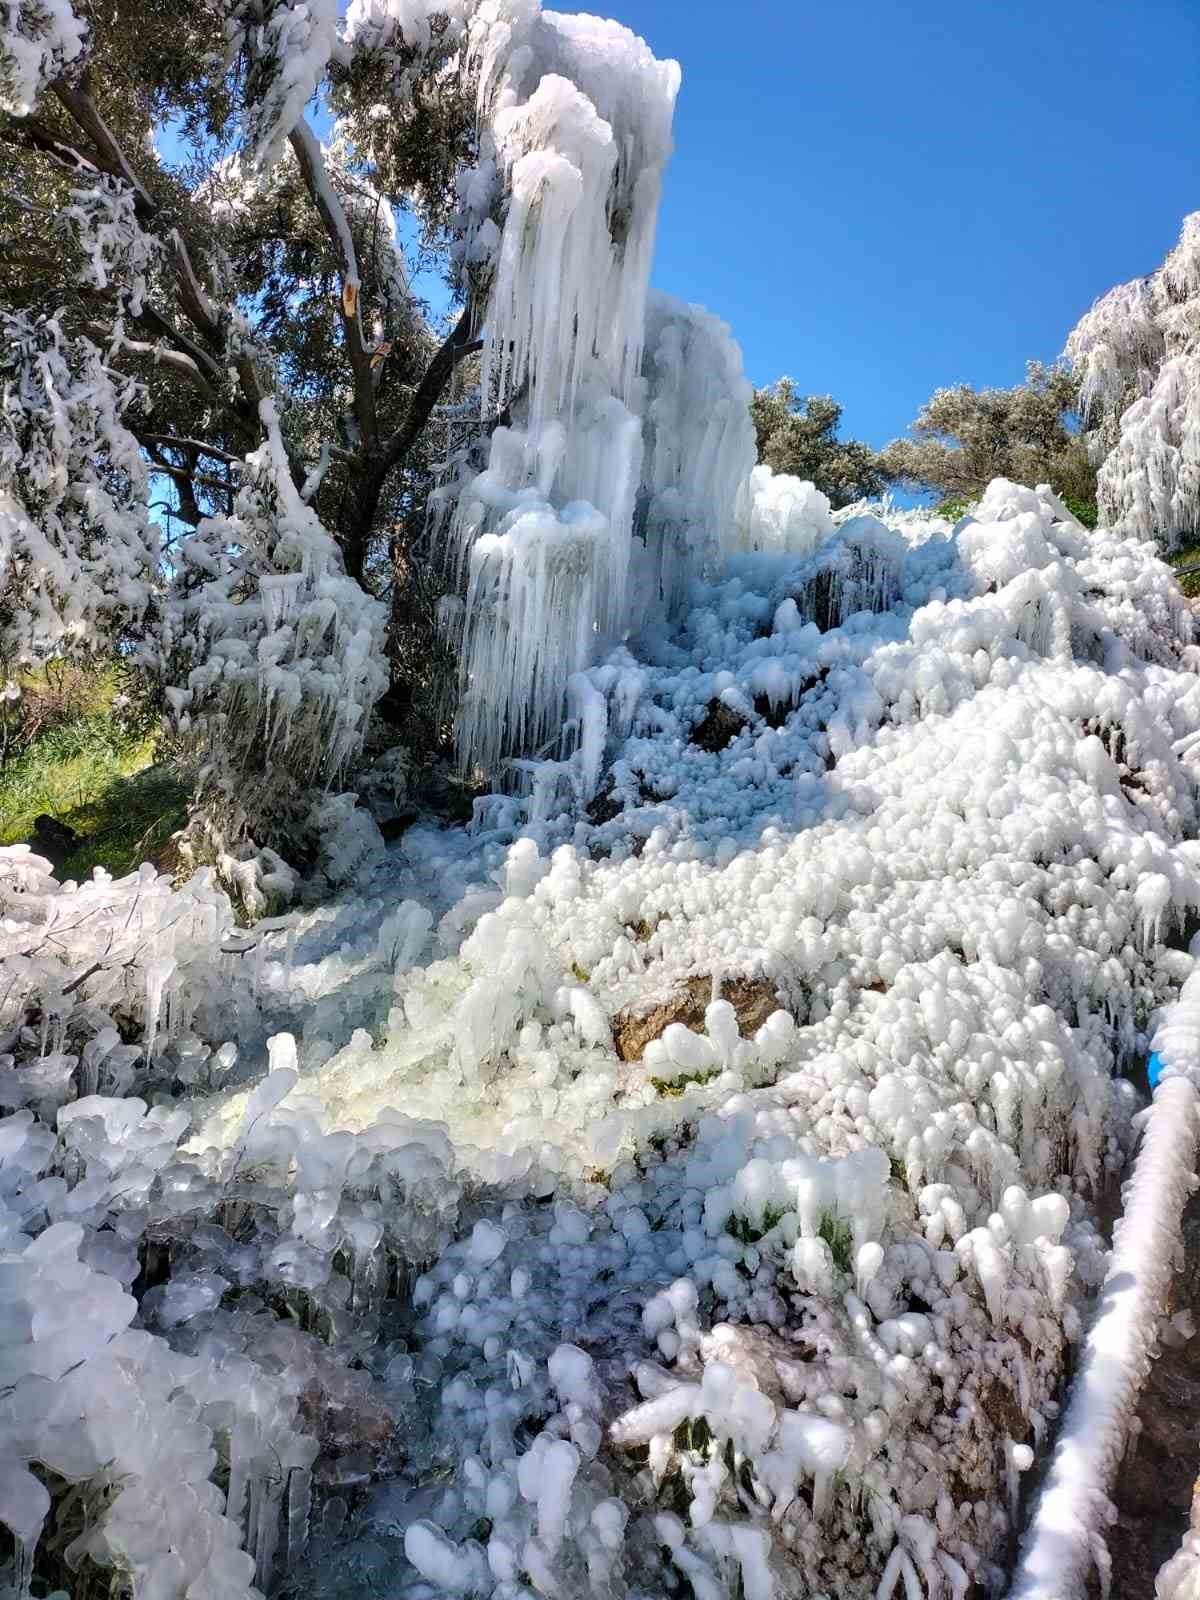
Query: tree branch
{"points": [[177, 360], [31, 135], [458, 345], [337, 226], [366, 501], [77, 101], [170, 441], [201, 480]]}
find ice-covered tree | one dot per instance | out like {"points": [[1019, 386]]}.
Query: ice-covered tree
{"points": [[1137, 355], [222, 213], [220, 389]]}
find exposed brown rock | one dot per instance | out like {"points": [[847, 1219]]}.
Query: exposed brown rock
{"points": [[719, 724], [753, 1001], [603, 808]]}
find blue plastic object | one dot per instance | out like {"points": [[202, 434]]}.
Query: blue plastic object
{"points": [[1154, 1069]]}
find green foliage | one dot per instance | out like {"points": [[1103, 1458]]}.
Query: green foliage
{"points": [[1085, 511], [839, 1236], [672, 1088], [964, 437], [89, 767], [799, 434], [1188, 556], [745, 1232], [694, 1436], [958, 506], [955, 508]]}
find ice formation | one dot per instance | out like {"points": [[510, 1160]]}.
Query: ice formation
{"points": [[78, 551], [39, 40], [1138, 353], [685, 1180], [277, 654], [622, 461], [1064, 1543], [483, 1290]]}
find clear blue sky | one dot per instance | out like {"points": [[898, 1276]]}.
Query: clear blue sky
{"points": [[884, 196]]}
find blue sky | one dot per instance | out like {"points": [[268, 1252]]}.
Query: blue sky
{"points": [[882, 197]]}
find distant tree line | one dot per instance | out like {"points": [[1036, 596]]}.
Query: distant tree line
{"points": [[962, 438]]}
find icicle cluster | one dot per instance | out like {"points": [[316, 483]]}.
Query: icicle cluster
{"points": [[279, 653], [1138, 353], [78, 551], [621, 461]]}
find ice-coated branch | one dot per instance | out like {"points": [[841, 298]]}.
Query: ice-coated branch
{"points": [[211, 323], [198, 446], [337, 225], [39, 40], [33, 136], [177, 360], [1065, 1537], [77, 101]]}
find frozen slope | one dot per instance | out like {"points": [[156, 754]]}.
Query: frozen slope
{"points": [[776, 1303]]}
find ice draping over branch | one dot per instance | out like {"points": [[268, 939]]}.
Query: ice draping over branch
{"points": [[280, 652], [288, 47], [1138, 353], [622, 463], [39, 40], [78, 551]]}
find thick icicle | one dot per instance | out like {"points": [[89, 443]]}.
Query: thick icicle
{"points": [[1059, 1548]]}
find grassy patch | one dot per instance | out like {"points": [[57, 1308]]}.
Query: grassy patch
{"points": [[94, 773], [745, 1232], [955, 508], [1188, 556], [673, 1088], [839, 1236]]}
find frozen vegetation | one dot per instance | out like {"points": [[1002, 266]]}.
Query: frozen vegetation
{"points": [[684, 1181], [456, 1299]]}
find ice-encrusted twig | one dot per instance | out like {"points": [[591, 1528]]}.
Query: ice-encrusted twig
{"points": [[1065, 1533]]}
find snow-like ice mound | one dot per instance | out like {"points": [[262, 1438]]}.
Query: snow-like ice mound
{"points": [[683, 1179]]}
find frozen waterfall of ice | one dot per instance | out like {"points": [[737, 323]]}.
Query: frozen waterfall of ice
{"points": [[623, 460]]}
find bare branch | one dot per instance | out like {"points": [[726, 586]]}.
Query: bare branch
{"points": [[202, 480], [337, 226], [458, 345], [197, 445]]}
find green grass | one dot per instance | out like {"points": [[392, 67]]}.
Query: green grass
{"points": [[743, 1230], [85, 768], [955, 508], [673, 1088], [1185, 557], [839, 1236]]}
